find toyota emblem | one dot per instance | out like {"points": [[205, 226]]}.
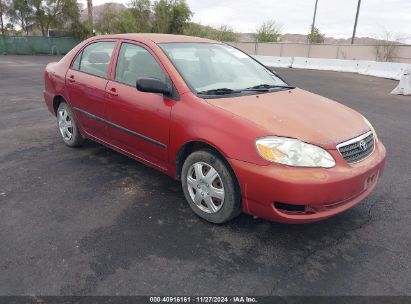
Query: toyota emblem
{"points": [[363, 145]]}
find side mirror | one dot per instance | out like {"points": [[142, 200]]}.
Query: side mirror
{"points": [[153, 85]]}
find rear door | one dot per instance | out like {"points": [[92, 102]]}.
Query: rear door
{"points": [[139, 122], [86, 81]]}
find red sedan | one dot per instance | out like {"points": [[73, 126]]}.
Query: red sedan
{"points": [[237, 135]]}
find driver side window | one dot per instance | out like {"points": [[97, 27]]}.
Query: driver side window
{"points": [[134, 62]]}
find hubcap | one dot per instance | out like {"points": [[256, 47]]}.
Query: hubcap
{"points": [[205, 187], [65, 124]]}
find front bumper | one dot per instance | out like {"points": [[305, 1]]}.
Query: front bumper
{"points": [[321, 192]]}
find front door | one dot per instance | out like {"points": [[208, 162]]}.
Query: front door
{"points": [[139, 122]]}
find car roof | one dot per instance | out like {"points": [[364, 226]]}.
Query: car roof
{"points": [[158, 38]]}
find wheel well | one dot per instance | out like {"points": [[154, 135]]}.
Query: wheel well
{"points": [[193, 146], [57, 100]]}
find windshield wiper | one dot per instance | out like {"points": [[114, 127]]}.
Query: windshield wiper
{"points": [[257, 88], [219, 91], [267, 87]]}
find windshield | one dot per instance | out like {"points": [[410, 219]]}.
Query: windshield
{"points": [[208, 67]]}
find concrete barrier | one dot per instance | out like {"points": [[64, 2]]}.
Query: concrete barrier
{"points": [[331, 65], [279, 62], [300, 63], [404, 87], [391, 70]]}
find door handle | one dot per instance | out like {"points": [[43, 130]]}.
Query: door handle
{"points": [[71, 78], [113, 92]]}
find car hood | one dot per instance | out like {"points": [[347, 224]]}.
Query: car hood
{"points": [[298, 114]]}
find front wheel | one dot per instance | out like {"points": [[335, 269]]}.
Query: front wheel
{"points": [[67, 126], [210, 187]]}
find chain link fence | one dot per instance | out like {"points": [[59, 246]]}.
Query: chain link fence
{"points": [[33, 45]]}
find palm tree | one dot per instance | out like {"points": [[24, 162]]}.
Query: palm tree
{"points": [[90, 14], [2, 11]]}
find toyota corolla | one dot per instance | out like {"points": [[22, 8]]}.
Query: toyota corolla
{"points": [[237, 135]]}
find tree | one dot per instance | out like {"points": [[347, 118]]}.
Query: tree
{"points": [[225, 33], [128, 23], [3, 10], [269, 31], [9, 29], [21, 13], [171, 16], [140, 10], [199, 30], [315, 36], [90, 15], [80, 29], [115, 21], [386, 47], [108, 20], [54, 13]]}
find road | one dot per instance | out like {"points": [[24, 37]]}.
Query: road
{"points": [[92, 221]]}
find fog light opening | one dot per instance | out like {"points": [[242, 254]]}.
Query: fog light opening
{"points": [[288, 208]]}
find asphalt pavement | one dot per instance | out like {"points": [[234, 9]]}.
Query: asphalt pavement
{"points": [[92, 221]]}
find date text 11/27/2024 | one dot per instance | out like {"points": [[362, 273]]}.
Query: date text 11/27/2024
{"points": [[204, 299]]}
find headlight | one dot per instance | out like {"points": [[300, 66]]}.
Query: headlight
{"points": [[371, 128], [293, 152]]}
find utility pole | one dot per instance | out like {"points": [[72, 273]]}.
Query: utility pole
{"points": [[90, 15], [315, 14], [356, 21]]}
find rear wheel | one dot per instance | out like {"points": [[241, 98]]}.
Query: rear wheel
{"points": [[210, 187], [67, 126]]}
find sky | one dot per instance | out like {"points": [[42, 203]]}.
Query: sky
{"points": [[335, 18]]}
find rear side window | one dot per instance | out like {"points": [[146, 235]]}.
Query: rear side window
{"points": [[95, 58], [134, 62], [76, 63]]}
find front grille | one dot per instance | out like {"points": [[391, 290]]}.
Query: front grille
{"points": [[357, 149]]}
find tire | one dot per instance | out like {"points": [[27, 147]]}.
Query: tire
{"points": [[210, 187], [67, 126]]}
